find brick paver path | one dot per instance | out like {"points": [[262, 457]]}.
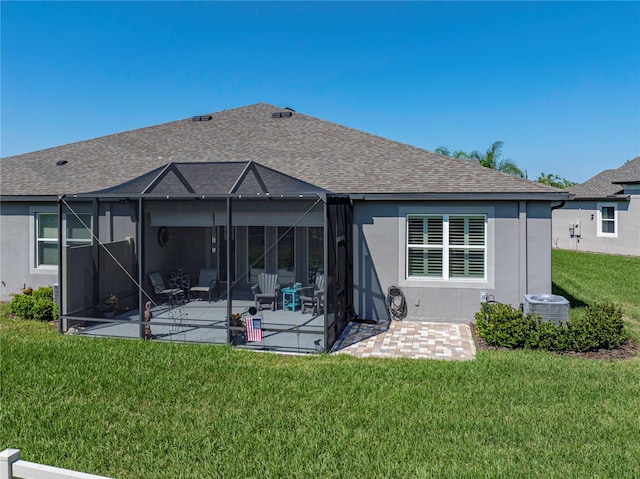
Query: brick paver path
{"points": [[407, 339]]}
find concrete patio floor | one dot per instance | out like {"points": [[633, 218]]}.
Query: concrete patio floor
{"points": [[205, 322]]}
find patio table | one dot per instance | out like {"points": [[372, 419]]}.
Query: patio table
{"points": [[290, 299]]}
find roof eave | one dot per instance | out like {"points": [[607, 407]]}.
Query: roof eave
{"points": [[603, 197], [475, 196], [28, 198]]}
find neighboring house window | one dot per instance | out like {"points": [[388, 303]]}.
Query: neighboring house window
{"points": [[446, 246], [607, 220], [76, 234]]}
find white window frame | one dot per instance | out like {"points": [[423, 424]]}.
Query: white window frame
{"points": [[488, 211], [601, 233], [34, 214], [38, 241]]}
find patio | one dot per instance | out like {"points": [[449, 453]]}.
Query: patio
{"points": [[407, 339], [294, 332], [236, 221]]}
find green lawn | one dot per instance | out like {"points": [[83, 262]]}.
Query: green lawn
{"points": [[134, 409], [585, 278]]}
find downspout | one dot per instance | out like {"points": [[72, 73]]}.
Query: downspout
{"points": [[558, 206]]}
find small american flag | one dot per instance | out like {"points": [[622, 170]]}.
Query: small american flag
{"points": [[253, 327]]}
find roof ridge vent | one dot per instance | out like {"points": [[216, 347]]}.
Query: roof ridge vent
{"points": [[281, 114], [201, 118]]}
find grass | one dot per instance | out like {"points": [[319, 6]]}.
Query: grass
{"points": [[585, 278], [134, 409]]}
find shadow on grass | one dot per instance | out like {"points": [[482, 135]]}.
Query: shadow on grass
{"points": [[575, 302]]}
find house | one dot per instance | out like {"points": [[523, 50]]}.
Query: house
{"points": [[604, 217], [266, 189]]}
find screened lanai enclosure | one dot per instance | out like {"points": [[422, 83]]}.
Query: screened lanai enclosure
{"points": [[228, 252]]}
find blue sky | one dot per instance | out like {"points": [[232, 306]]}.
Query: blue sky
{"points": [[559, 83]]}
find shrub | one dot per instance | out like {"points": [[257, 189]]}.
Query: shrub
{"points": [[34, 305], [502, 325], [548, 336], [601, 327]]}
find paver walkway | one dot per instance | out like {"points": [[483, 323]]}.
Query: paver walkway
{"points": [[407, 339]]}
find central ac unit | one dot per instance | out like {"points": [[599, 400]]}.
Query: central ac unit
{"points": [[550, 307]]}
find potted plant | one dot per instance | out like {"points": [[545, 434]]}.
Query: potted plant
{"points": [[109, 305], [237, 337]]}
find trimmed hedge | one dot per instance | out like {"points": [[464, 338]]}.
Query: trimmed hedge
{"points": [[601, 327], [34, 305]]}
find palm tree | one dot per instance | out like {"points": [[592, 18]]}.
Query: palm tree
{"points": [[491, 159], [459, 154], [554, 180]]}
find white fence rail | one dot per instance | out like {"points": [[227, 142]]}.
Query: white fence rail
{"points": [[11, 467]]}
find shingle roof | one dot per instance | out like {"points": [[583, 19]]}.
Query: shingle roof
{"points": [[629, 172], [606, 183], [331, 156]]}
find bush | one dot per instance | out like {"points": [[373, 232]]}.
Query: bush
{"points": [[601, 327], [502, 325], [34, 305], [548, 336]]}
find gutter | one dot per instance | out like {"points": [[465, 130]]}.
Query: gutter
{"points": [[477, 196], [29, 198]]}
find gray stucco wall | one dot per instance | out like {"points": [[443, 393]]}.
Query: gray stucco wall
{"points": [[17, 249], [538, 248], [518, 255], [585, 214], [17, 240]]}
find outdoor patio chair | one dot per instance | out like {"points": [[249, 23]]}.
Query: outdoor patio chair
{"points": [[312, 297], [207, 283], [161, 290], [266, 290]]}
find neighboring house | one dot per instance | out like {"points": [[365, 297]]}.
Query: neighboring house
{"points": [[301, 196], [604, 217]]}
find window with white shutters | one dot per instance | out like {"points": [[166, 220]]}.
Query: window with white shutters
{"points": [[446, 246]]}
